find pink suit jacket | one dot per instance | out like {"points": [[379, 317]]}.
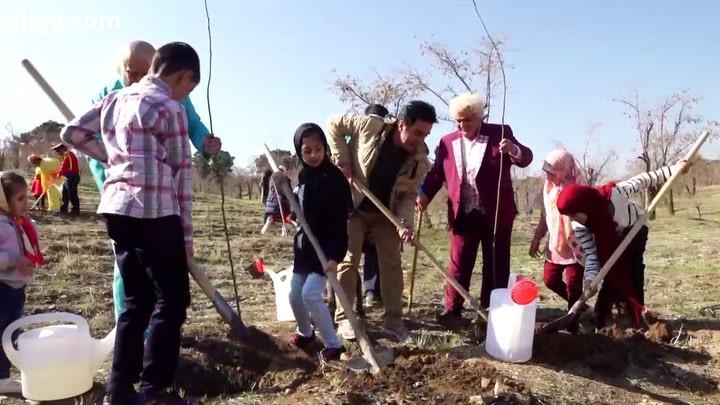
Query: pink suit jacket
{"points": [[445, 170]]}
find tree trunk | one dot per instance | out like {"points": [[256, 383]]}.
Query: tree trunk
{"points": [[250, 189], [428, 222], [671, 203], [528, 208], [694, 186], [650, 193]]}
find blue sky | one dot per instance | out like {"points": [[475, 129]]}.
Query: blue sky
{"points": [[273, 60]]}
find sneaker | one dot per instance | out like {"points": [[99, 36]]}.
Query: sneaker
{"points": [[300, 341], [10, 386], [345, 330], [398, 331], [371, 299], [332, 353]]}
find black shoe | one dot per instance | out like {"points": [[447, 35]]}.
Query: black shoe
{"points": [[129, 399], [450, 318], [162, 398]]}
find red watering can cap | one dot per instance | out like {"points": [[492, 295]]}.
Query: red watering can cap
{"points": [[524, 291], [260, 266]]}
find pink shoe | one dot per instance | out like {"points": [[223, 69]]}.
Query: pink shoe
{"points": [[300, 341]]}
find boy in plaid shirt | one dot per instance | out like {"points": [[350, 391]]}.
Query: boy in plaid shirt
{"points": [[147, 206]]}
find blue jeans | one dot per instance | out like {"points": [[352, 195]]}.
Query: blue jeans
{"points": [[307, 302], [12, 301]]}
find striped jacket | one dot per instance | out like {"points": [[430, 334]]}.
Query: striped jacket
{"points": [[626, 213]]}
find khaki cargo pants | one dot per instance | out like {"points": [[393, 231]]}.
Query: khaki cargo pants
{"points": [[387, 243]]}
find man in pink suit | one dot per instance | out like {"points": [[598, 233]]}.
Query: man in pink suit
{"points": [[468, 162]]}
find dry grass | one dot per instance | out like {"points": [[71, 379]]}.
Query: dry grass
{"points": [[683, 272]]}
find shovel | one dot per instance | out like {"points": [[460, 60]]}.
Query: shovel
{"points": [[371, 359], [460, 289], [566, 320], [414, 262]]}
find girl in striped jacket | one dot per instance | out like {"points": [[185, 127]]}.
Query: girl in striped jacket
{"points": [[602, 216]]}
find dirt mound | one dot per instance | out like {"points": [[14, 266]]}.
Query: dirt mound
{"points": [[604, 354], [215, 365], [660, 332], [418, 376], [610, 351]]}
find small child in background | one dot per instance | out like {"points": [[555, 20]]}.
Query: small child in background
{"points": [[45, 168], [602, 216], [277, 208], [563, 255], [324, 196], [36, 189], [19, 254]]}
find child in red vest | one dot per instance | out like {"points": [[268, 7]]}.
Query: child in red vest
{"points": [[71, 171]]}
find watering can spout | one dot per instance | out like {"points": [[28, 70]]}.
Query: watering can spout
{"points": [[273, 275], [101, 348]]}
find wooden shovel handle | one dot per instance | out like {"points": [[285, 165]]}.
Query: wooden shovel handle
{"points": [[414, 261]]}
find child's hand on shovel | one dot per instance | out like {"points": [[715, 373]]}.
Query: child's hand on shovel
{"points": [[684, 165], [588, 289], [331, 267]]}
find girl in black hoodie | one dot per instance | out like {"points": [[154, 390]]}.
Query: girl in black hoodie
{"points": [[324, 196]]}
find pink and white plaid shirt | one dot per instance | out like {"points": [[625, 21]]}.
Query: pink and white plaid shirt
{"points": [[145, 143]]}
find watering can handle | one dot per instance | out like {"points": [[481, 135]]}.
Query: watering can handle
{"points": [[9, 348]]}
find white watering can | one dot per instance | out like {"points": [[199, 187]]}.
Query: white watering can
{"points": [[58, 361], [511, 325], [281, 283]]}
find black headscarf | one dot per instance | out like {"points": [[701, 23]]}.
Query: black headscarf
{"points": [[303, 131]]}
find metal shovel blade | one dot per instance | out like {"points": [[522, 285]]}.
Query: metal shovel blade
{"points": [[360, 364], [561, 323]]}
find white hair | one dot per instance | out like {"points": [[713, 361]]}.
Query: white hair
{"points": [[467, 101]]}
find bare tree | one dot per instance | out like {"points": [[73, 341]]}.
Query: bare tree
{"points": [[664, 131], [11, 147], [451, 73], [390, 90], [698, 207], [594, 162]]}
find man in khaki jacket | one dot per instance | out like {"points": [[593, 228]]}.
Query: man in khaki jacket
{"points": [[389, 156]]}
